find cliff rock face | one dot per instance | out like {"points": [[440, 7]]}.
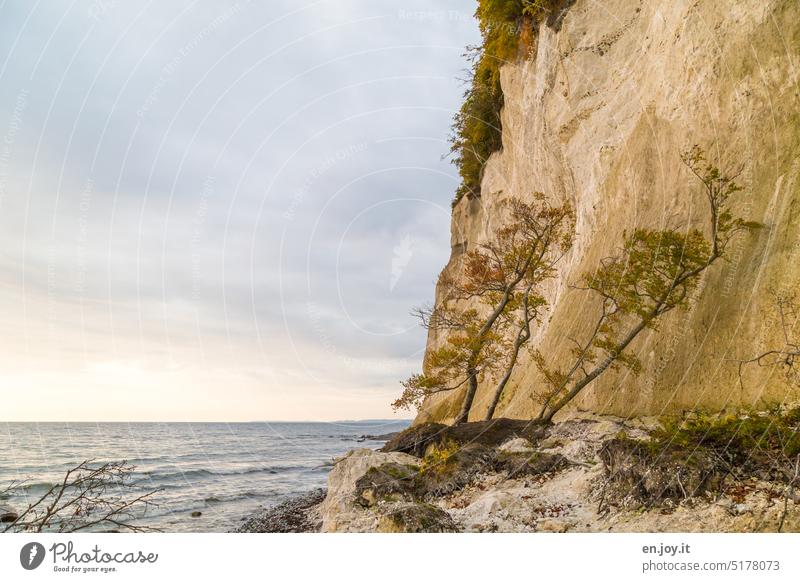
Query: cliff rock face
{"points": [[598, 115]]}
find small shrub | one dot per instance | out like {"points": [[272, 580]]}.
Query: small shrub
{"points": [[435, 460], [740, 437], [695, 456], [477, 129]]}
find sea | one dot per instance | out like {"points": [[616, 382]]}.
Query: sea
{"points": [[226, 471]]}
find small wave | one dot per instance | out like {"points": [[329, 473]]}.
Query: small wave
{"points": [[184, 503], [200, 473], [237, 496], [34, 485]]}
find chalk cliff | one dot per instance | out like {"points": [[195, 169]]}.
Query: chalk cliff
{"points": [[598, 114]]}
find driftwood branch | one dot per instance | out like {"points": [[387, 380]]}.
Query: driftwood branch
{"points": [[90, 495]]}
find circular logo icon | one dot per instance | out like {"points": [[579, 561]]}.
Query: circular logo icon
{"points": [[31, 555]]}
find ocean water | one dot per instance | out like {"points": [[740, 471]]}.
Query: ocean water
{"points": [[225, 471]]}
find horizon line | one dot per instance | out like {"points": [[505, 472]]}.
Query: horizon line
{"points": [[200, 421]]}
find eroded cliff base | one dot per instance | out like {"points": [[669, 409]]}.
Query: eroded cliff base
{"points": [[586, 474]]}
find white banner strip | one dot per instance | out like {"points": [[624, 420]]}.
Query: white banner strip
{"points": [[400, 557]]}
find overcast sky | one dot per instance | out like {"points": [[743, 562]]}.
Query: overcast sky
{"points": [[221, 210]]}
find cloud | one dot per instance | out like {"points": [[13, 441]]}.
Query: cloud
{"points": [[206, 200]]}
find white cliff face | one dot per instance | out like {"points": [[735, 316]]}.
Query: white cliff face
{"points": [[598, 116]]}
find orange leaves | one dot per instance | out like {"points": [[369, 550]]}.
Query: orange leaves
{"points": [[496, 294]]}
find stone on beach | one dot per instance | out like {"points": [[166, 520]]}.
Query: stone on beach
{"points": [[7, 515], [299, 514], [341, 511]]}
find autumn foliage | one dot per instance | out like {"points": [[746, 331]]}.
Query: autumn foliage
{"points": [[491, 306], [653, 273], [497, 280]]}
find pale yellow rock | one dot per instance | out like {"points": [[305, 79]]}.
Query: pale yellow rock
{"points": [[518, 445], [553, 526], [598, 117], [338, 511]]}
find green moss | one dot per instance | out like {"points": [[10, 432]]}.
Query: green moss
{"points": [[739, 436], [450, 467], [695, 456], [477, 128], [389, 482], [416, 518]]}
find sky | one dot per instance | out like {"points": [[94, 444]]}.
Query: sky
{"points": [[221, 211]]}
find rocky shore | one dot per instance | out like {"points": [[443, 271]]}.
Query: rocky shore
{"points": [[585, 474], [301, 513], [297, 515]]}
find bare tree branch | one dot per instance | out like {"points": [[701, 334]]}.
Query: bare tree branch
{"points": [[88, 496]]}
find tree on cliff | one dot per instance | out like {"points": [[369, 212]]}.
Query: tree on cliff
{"points": [[500, 279], [653, 273], [527, 311], [477, 126]]}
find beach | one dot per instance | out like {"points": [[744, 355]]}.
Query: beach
{"points": [[209, 477]]}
